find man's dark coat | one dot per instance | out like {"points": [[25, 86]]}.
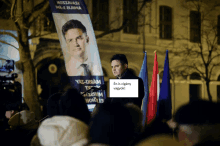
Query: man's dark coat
{"points": [[137, 101]]}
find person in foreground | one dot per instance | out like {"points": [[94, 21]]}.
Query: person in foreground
{"points": [[115, 124], [69, 125], [197, 123]]}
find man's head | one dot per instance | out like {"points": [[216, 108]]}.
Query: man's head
{"points": [[73, 104], [113, 124], [119, 64], [197, 122], [53, 104], [76, 38]]}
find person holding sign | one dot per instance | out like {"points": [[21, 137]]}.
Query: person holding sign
{"points": [[77, 41], [119, 64]]}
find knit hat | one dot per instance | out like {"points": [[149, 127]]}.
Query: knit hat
{"points": [[53, 104], [63, 131], [73, 104]]}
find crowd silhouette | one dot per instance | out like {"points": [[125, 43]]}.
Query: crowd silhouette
{"points": [[69, 123]]}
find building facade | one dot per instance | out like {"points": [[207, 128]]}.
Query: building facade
{"points": [[174, 25]]}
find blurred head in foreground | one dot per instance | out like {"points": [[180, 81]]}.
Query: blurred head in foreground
{"points": [[63, 131], [114, 124], [197, 122], [73, 104]]}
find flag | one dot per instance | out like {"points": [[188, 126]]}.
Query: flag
{"points": [[158, 85], [164, 110], [79, 47], [144, 76], [152, 100], [158, 89]]}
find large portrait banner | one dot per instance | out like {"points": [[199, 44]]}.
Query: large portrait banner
{"points": [[79, 47]]}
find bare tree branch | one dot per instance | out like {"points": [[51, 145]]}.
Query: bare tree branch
{"points": [[211, 9], [215, 38], [124, 24], [36, 13], [8, 3], [141, 25], [196, 5], [12, 14], [12, 9], [19, 18], [9, 33], [208, 51], [35, 36], [196, 68], [8, 44], [214, 65], [201, 53], [192, 67], [214, 58]]}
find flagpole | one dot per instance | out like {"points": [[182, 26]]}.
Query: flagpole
{"points": [[144, 35]]}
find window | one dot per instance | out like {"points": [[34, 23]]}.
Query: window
{"points": [[129, 9], [195, 26], [195, 88], [218, 30], [100, 11], [195, 91], [165, 22], [195, 76], [218, 78]]}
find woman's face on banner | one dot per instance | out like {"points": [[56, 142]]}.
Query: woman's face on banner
{"points": [[76, 42]]}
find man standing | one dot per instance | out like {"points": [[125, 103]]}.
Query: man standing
{"points": [[119, 64], [77, 40]]}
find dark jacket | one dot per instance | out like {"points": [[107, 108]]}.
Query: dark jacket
{"points": [[11, 99], [73, 104], [137, 101]]}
